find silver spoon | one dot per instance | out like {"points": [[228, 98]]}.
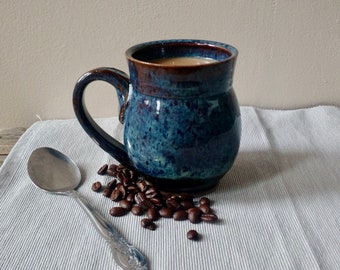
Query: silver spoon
{"points": [[54, 172]]}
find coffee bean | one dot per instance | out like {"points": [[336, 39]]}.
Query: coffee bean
{"points": [[194, 209], [133, 175], [137, 210], [122, 190], [116, 195], [180, 215], [112, 184], [124, 179], [126, 173], [120, 168], [117, 211], [142, 201], [205, 201], [148, 224], [186, 204], [166, 212], [157, 202], [97, 186], [131, 197], [176, 197], [139, 197], [172, 203], [146, 204], [166, 195], [132, 189], [127, 182], [152, 214], [113, 167], [102, 170], [151, 192], [204, 208], [125, 204], [210, 218], [107, 192], [192, 235], [194, 215], [186, 197], [111, 173], [142, 185]]}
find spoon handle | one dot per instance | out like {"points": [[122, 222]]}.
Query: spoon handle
{"points": [[126, 255]]}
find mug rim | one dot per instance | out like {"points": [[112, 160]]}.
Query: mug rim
{"points": [[229, 49]]}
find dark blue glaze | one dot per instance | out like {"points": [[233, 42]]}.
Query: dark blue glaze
{"points": [[182, 124]]}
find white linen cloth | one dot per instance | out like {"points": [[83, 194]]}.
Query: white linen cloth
{"points": [[278, 207]]}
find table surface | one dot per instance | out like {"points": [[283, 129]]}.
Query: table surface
{"points": [[278, 206], [8, 138]]}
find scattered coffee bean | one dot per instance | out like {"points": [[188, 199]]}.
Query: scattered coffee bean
{"points": [[112, 184], [172, 203], [122, 190], [127, 181], [117, 211], [132, 189], [152, 214], [130, 197], [192, 235], [180, 215], [166, 195], [137, 210], [123, 179], [96, 186], [194, 215], [140, 197], [120, 167], [142, 201], [111, 173], [133, 175], [127, 173], [194, 209], [187, 204], [166, 212], [103, 169], [148, 224], [113, 167], [107, 192], [205, 208], [125, 204], [116, 195], [205, 201], [142, 185], [210, 218], [186, 197], [151, 192], [157, 202]]}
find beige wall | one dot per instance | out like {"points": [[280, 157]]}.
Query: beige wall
{"points": [[289, 50]]}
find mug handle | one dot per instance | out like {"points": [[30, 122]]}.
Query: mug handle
{"points": [[120, 81]]}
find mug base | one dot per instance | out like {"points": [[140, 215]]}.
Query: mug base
{"points": [[192, 186]]}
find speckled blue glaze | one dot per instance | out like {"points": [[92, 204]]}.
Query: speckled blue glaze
{"points": [[182, 124]]}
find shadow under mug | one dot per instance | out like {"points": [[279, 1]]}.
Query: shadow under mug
{"points": [[182, 123]]}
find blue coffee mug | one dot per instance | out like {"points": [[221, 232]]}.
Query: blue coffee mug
{"points": [[182, 122]]}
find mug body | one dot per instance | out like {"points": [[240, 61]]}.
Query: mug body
{"points": [[182, 122]]}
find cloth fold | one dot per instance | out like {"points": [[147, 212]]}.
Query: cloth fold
{"points": [[278, 206]]}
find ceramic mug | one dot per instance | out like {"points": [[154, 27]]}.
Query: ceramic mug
{"points": [[182, 123]]}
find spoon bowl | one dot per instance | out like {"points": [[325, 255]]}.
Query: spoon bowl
{"points": [[54, 172]]}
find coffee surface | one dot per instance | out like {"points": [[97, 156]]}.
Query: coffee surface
{"points": [[183, 61]]}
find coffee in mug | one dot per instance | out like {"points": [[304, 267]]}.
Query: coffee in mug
{"points": [[183, 61]]}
